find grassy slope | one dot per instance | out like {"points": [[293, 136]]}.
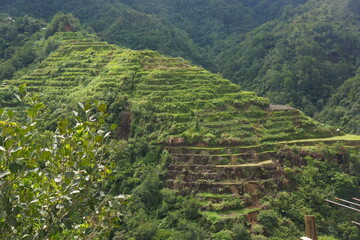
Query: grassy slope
{"points": [[170, 100], [268, 61]]}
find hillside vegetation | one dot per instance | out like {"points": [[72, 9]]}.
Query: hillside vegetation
{"points": [[174, 125], [343, 108], [164, 98], [99, 141], [301, 61], [291, 52], [17, 36]]}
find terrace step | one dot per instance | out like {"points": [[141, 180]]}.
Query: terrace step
{"points": [[261, 170], [264, 148], [221, 159], [225, 187]]}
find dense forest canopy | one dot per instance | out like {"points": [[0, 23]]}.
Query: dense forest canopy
{"points": [[16, 43], [344, 106], [99, 141], [301, 61]]}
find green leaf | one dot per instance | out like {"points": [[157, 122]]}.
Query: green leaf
{"points": [[1, 111], [39, 106], [98, 138], [2, 215], [102, 108], [107, 134], [81, 105], [45, 154], [9, 143], [31, 113], [87, 107], [113, 127], [16, 149], [10, 113], [12, 221], [69, 175], [3, 174], [2, 148], [22, 88], [62, 125], [18, 97], [14, 167]]}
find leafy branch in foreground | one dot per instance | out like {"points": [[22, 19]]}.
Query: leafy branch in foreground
{"points": [[52, 184]]}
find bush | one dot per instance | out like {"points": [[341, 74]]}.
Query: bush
{"points": [[191, 230], [148, 192], [269, 219], [257, 229], [62, 23], [240, 232], [223, 235], [146, 231], [191, 209], [258, 237]]}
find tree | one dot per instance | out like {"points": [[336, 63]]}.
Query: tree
{"points": [[53, 183], [62, 23]]}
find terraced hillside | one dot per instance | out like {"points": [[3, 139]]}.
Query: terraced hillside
{"points": [[221, 169], [231, 180], [223, 141], [161, 98]]}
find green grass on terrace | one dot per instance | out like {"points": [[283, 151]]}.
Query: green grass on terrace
{"points": [[213, 195], [247, 164], [347, 137], [218, 216]]}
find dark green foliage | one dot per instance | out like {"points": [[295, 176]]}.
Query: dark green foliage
{"points": [[62, 23], [355, 7], [309, 184], [146, 231], [343, 108], [191, 230], [17, 37], [223, 235], [148, 192], [300, 61], [269, 219], [169, 221], [240, 232], [191, 209], [210, 21], [178, 28], [6, 70]]}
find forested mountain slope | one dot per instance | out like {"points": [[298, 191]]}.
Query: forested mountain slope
{"points": [[17, 37], [300, 61], [191, 29], [208, 22], [117, 23], [301, 52], [232, 162], [343, 108]]}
